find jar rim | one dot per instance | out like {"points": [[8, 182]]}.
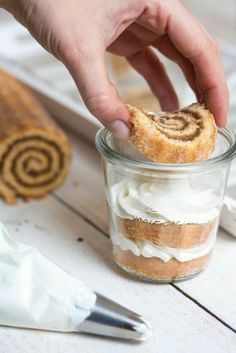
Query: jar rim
{"points": [[115, 157]]}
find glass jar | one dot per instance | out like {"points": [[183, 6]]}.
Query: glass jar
{"points": [[163, 218]]}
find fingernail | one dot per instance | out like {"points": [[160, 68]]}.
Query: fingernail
{"points": [[119, 129], [222, 123]]}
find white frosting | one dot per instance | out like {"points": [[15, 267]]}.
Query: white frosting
{"points": [[165, 200], [165, 253], [35, 293]]}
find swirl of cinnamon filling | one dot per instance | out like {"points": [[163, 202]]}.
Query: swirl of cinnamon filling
{"points": [[32, 166], [184, 127], [183, 136]]}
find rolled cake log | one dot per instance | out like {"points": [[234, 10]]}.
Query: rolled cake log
{"points": [[186, 135], [34, 152]]}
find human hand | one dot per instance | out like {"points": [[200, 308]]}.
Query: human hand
{"points": [[79, 32]]}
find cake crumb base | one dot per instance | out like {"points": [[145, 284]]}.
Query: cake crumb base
{"points": [[156, 270]]}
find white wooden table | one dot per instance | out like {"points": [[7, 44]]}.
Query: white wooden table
{"points": [[197, 316]]}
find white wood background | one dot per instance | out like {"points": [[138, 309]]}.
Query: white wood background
{"points": [[194, 316]]}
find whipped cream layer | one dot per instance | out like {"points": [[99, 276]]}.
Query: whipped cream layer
{"points": [[164, 201], [36, 293], [165, 253]]}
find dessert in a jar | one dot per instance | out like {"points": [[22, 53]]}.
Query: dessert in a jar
{"points": [[163, 216], [163, 229]]}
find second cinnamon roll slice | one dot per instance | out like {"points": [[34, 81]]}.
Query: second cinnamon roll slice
{"points": [[185, 135]]}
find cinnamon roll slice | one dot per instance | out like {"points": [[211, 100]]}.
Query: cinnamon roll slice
{"points": [[34, 152], [185, 135]]}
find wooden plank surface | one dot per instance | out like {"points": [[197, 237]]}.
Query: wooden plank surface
{"points": [[215, 288], [84, 188], [179, 325]]}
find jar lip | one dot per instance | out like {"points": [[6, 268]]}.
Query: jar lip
{"points": [[117, 158]]}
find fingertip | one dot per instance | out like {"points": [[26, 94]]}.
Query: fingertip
{"points": [[219, 115], [221, 122], [169, 104], [217, 102], [119, 129]]}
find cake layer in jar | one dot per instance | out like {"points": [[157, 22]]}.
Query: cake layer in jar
{"points": [[156, 269], [166, 234]]}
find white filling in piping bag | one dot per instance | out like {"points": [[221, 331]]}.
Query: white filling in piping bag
{"points": [[36, 293]]}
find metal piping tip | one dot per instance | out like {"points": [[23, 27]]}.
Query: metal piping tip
{"points": [[111, 319]]}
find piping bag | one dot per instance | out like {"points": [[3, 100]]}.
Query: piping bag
{"points": [[36, 293]]}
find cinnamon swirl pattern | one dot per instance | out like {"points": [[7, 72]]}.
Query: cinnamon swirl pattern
{"points": [[185, 135], [34, 152]]}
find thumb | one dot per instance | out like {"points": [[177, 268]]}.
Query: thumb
{"points": [[87, 67]]}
